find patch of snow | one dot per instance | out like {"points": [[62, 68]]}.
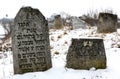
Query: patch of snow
{"points": [[2, 31], [60, 41]]}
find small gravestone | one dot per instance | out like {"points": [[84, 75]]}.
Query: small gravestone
{"points": [[86, 53], [58, 24], [30, 42], [107, 23], [78, 23]]}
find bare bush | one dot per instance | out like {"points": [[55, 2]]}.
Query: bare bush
{"points": [[7, 25]]}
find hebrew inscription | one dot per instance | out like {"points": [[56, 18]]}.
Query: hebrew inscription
{"points": [[30, 42], [86, 53]]}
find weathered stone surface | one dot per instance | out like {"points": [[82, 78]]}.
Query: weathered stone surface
{"points": [[78, 23], [30, 42], [107, 23], [86, 53], [58, 24]]}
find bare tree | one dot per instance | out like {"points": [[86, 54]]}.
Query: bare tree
{"points": [[7, 25]]}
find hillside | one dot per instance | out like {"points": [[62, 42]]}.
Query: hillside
{"points": [[60, 41]]}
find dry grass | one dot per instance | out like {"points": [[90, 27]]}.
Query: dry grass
{"points": [[65, 42], [65, 32], [56, 52], [59, 36], [52, 38]]}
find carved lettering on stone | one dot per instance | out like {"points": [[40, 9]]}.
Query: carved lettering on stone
{"points": [[86, 53], [30, 42]]}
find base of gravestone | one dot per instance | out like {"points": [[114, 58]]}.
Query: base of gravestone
{"points": [[86, 53], [86, 64]]}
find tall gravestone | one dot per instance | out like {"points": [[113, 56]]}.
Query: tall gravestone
{"points": [[107, 23], [86, 53], [30, 42]]}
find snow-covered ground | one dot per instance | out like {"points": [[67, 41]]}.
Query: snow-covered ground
{"points": [[2, 32], [60, 41]]}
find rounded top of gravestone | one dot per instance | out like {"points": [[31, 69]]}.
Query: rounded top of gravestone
{"points": [[28, 12], [57, 16], [32, 17]]}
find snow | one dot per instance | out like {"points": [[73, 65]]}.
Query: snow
{"points": [[60, 41], [2, 31]]}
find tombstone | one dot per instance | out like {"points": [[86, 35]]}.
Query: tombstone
{"points": [[78, 23], [30, 42], [118, 23], [58, 24], [107, 23], [86, 53]]}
